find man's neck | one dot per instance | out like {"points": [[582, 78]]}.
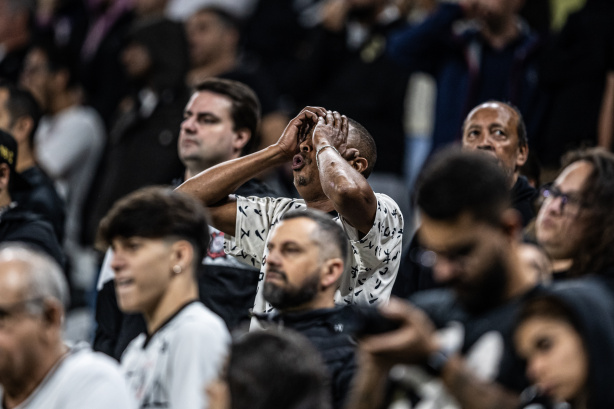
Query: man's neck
{"points": [[172, 301], [63, 101], [25, 159], [17, 392], [215, 68], [323, 203]]}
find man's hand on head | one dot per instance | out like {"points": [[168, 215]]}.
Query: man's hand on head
{"points": [[297, 130], [333, 129]]}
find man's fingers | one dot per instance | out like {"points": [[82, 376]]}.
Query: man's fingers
{"points": [[345, 125], [350, 153], [337, 119]]}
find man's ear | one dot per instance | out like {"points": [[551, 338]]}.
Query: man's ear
{"points": [[359, 163], [332, 271], [522, 155], [182, 255], [242, 137], [22, 128], [53, 313]]}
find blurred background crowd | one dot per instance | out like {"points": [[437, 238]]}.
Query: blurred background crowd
{"points": [[110, 80]]}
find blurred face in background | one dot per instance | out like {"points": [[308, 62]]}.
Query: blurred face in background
{"points": [[557, 362]]}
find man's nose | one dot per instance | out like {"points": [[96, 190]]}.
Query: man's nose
{"points": [[444, 270], [305, 146]]}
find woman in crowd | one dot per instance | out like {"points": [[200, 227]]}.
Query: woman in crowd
{"points": [[567, 337]]}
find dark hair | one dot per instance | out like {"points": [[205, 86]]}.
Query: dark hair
{"points": [[157, 212], [456, 181], [594, 251], [521, 128], [587, 306], [245, 109], [271, 369], [227, 19], [328, 233], [59, 59], [21, 103], [365, 144]]}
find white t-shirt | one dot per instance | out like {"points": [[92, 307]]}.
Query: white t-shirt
{"points": [[68, 148], [171, 368], [82, 379], [375, 257]]}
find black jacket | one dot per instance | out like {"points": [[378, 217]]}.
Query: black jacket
{"points": [[329, 330], [20, 225]]}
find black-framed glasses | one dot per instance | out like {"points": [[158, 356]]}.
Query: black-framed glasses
{"points": [[568, 200]]}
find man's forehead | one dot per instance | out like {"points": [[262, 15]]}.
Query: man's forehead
{"points": [[498, 110], [443, 235], [12, 280], [574, 176], [206, 100], [299, 229]]}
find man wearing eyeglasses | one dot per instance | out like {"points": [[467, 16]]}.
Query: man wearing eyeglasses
{"points": [[37, 370], [575, 224]]}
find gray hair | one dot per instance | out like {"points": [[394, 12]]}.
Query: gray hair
{"points": [[45, 279]]}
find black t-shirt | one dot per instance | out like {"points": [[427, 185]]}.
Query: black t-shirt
{"points": [[487, 337]]}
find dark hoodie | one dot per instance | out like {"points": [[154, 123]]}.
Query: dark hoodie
{"points": [[592, 309], [523, 196]]}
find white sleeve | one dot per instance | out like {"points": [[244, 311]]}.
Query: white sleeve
{"points": [[98, 385], [69, 145], [197, 358], [376, 257], [255, 218]]}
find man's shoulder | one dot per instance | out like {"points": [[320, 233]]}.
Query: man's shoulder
{"points": [[196, 320], [82, 361]]}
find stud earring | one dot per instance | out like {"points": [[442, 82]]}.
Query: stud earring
{"points": [[176, 269]]}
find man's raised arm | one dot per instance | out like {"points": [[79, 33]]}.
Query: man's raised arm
{"points": [[340, 166], [215, 185]]}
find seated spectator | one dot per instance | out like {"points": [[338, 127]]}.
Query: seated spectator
{"points": [[17, 223], [155, 58], [37, 369], [20, 115], [331, 158], [306, 259], [16, 21], [496, 58], [69, 144], [567, 337], [159, 237], [498, 129], [575, 222], [220, 123], [213, 37], [472, 232], [270, 369]]}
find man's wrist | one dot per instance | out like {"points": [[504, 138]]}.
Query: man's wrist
{"points": [[320, 149], [436, 361]]}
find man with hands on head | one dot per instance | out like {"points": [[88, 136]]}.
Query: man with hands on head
{"points": [[331, 157]]}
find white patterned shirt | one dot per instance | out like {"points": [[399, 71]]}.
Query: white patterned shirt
{"points": [[375, 257]]}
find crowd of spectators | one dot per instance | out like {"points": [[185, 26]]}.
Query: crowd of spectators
{"points": [[421, 189]]}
